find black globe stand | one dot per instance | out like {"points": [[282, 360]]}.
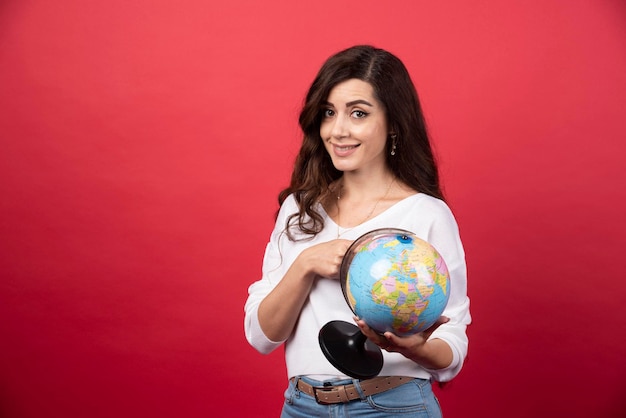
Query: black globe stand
{"points": [[349, 350]]}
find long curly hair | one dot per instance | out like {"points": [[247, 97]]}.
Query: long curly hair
{"points": [[413, 163]]}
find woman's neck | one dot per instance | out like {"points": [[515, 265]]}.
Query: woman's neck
{"points": [[359, 187]]}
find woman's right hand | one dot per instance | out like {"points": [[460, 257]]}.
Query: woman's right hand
{"points": [[325, 259], [276, 311]]}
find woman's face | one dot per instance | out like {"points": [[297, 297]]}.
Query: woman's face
{"points": [[354, 127]]}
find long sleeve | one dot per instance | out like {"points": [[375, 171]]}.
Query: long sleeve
{"points": [[444, 236], [272, 271]]}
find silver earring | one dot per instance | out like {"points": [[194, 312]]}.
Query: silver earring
{"points": [[393, 144]]}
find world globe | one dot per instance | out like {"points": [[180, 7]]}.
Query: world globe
{"points": [[395, 281]]}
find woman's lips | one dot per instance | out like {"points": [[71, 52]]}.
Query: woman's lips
{"points": [[344, 150]]}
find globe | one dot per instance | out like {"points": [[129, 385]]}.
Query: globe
{"points": [[395, 281]]}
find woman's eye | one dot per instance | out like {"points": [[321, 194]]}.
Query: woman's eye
{"points": [[328, 113], [359, 114]]}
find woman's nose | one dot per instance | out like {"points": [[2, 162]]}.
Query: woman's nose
{"points": [[340, 128]]}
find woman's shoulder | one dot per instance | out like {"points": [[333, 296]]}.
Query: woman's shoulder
{"points": [[288, 206], [290, 200], [427, 201], [428, 206]]}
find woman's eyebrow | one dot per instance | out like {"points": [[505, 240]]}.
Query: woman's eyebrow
{"points": [[360, 101], [351, 103]]}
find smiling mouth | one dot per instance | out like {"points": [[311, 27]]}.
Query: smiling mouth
{"points": [[343, 148]]}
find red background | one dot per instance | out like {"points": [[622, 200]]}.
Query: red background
{"points": [[144, 143]]}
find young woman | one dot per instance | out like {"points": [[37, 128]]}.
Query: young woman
{"points": [[365, 163]]}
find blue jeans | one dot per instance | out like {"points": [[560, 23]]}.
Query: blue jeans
{"points": [[413, 399]]}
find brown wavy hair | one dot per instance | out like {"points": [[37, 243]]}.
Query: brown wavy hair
{"points": [[413, 163]]}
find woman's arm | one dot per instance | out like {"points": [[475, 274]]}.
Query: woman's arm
{"points": [[279, 310]]}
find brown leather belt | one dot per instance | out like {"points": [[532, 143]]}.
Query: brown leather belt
{"points": [[345, 393]]}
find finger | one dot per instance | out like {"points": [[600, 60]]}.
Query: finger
{"points": [[439, 322], [365, 329], [387, 344], [372, 335], [442, 320], [360, 323], [393, 339]]}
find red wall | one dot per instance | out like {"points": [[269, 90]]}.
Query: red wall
{"points": [[143, 144]]}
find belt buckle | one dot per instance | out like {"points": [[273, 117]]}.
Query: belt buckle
{"points": [[323, 389]]}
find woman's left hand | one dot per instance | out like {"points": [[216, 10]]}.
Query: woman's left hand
{"points": [[411, 346]]}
